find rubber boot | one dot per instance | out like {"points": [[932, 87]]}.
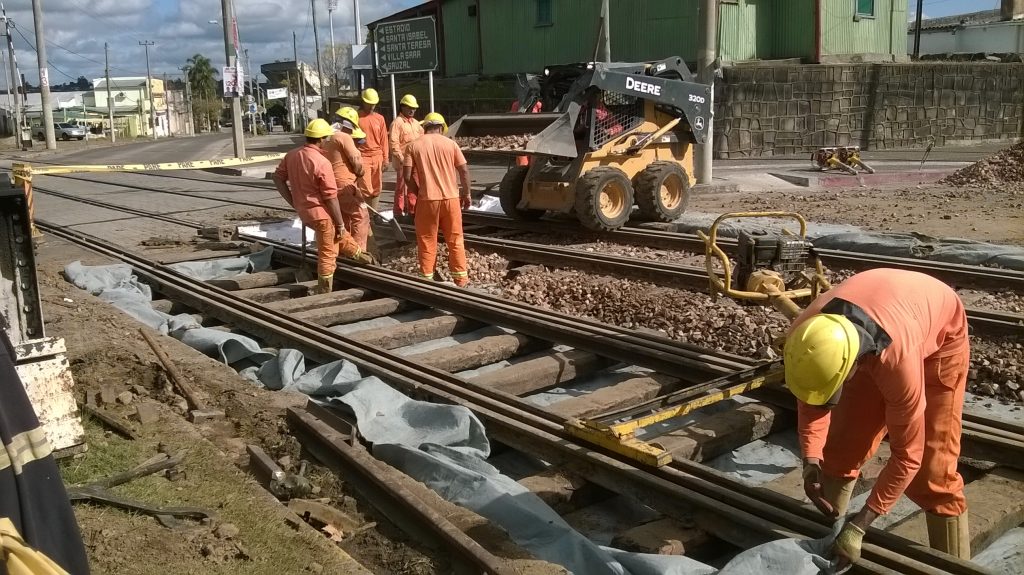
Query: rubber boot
{"points": [[324, 284], [949, 534], [838, 491]]}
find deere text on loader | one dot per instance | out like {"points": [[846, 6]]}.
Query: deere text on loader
{"points": [[618, 134]]}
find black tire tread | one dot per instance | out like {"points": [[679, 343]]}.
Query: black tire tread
{"points": [[587, 188], [647, 186], [510, 191]]}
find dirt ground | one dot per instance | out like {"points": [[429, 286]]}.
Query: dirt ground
{"points": [[106, 352], [990, 213]]}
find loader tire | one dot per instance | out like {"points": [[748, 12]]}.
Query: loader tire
{"points": [[510, 192], [604, 199], [662, 191]]}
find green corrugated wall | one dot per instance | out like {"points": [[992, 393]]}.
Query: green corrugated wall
{"points": [[462, 38], [509, 39], [842, 34]]}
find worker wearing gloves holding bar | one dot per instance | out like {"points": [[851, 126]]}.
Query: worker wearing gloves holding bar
{"points": [[431, 165], [348, 168], [885, 351], [374, 148], [305, 180], [404, 130]]}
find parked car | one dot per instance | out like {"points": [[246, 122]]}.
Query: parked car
{"points": [[63, 132]]}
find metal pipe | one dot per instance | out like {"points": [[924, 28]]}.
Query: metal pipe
{"points": [[149, 90], [44, 75], [358, 23], [324, 104]]}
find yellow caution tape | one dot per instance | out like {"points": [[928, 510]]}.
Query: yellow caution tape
{"points": [[26, 171]]}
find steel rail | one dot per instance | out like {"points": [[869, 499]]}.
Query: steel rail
{"points": [[672, 491], [672, 240]]}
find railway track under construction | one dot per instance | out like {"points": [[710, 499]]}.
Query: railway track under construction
{"points": [[280, 312]]}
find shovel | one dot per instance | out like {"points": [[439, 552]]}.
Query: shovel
{"points": [[396, 228], [304, 274]]}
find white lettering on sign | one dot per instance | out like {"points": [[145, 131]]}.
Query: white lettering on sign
{"points": [[642, 87]]}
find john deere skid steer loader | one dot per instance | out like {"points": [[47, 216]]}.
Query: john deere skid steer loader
{"points": [[618, 135]]}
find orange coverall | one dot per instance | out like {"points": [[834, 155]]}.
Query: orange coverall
{"points": [[403, 132], [342, 153], [375, 153], [914, 390], [311, 182], [435, 160]]}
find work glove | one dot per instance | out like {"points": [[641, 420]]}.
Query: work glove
{"points": [[848, 544], [814, 491], [465, 202], [365, 258]]}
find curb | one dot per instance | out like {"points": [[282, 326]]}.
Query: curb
{"points": [[878, 178]]}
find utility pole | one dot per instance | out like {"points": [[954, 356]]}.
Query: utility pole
{"points": [[917, 29], [188, 101], [252, 94], [44, 75], [149, 90], [231, 54], [299, 80], [707, 53], [358, 22], [332, 5], [606, 40], [15, 77], [110, 99], [319, 69]]}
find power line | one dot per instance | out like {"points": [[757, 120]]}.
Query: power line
{"points": [[32, 45]]}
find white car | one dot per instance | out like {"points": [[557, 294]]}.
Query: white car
{"points": [[63, 132]]}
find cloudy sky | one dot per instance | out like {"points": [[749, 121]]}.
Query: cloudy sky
{"points": [[77, 29]]}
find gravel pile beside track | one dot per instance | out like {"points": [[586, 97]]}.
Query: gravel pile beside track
{"points": [[616, 249], [997, 368], [1005, 167], [484, 269]]}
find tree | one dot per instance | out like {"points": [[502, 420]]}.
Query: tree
{"points": [[334, 63], [206, 103]]}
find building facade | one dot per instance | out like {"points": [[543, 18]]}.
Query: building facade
{"points": [[999, 31], [495, 37]]}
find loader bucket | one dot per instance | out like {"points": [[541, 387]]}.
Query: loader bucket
{"points": [[516, 134]]}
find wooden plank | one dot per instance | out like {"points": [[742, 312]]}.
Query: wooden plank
{"points": [[277, 293], [664, 537], [725, 431], [307, 302], [413, 332], [474, 354], [564, 491], [256, 280], [352, 312], [995, 505], [543, 372], [630, 391]]}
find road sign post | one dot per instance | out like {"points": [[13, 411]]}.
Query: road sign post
{"points": [[405, 47]]}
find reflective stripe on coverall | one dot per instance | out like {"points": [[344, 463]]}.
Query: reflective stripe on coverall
{"points": [[913, 391], [327, 250]]}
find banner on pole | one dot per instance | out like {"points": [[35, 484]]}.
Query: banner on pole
{"points": [[234, 81], [277, 93]]}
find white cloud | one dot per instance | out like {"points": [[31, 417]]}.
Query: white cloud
{"points": [[180, 29]]}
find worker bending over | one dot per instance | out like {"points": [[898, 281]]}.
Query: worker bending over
{"points": [[885, 351], [374, 148], [404, 130], [306, 181], [431, 164], [348, 168]]}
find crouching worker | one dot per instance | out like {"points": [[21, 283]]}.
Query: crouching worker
{"points": [[305, 179], [884, 352], [431, 163]]}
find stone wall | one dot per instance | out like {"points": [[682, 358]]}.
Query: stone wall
{"points": [[795, 109]]}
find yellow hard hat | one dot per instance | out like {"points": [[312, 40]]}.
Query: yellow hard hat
{"points": [[319, 128], [370, 96], [350, 114], [358, 134], [819, 355], [410, 100], [435, 118]]}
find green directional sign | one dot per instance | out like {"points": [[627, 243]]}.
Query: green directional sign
{"points": [[406, 46]]}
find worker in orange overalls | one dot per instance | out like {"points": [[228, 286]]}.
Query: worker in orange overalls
{"points": [[404, 130], [305, 180], [347, 164], [885, 351], [374, 149], [431, 165]]}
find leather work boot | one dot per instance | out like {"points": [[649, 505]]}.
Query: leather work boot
{"points": [[949, 534], [838, 491], [324, 284]]}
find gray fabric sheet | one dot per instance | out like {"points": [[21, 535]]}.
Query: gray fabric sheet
{"points": [[1006, 555], [952, 250], [226, 267], [444, 446]]}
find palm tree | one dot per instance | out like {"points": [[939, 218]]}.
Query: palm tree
{"points": [[202, 75]]}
